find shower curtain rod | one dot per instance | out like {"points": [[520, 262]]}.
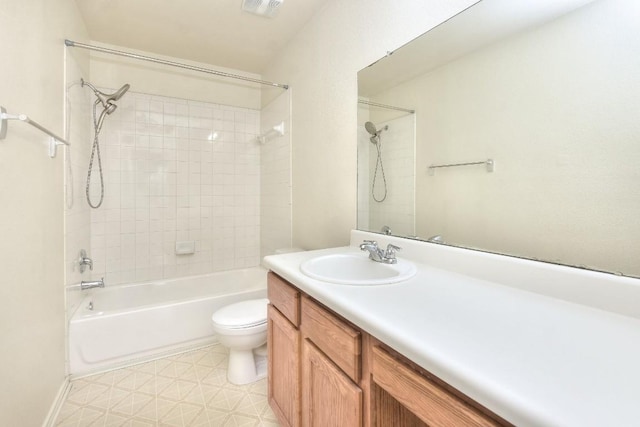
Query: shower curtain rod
{"points": [[390, 107], [71, 43]]}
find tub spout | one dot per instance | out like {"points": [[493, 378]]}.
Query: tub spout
{"points": [[92, 284]]}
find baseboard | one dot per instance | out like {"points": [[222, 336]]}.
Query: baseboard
{"points": [[57, 403]]}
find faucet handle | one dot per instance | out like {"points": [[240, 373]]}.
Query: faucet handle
{"points": [[391, 251], [366, 243], [84, 261]]}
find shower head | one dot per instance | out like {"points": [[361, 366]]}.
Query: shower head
{"points": [[118, 94], [110, 108], [371, 128], [375, 133], [107, 100]]}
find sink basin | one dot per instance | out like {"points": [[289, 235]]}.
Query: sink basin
{"points": [[356, 269]]}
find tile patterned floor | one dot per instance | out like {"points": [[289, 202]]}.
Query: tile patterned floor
{"points": [[189, 389]]}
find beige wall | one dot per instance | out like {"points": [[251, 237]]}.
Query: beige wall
{"points": [[32, 316], [321, 64]]}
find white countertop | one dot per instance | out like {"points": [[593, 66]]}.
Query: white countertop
{"points": [[533, 359]]}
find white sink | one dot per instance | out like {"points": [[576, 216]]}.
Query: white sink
{"points": [[356, 269]]}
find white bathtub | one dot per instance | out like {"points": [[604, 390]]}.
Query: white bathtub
{"points": [[134, 322]]}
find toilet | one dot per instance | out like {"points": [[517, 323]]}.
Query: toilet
{"points": [[242, 328]]}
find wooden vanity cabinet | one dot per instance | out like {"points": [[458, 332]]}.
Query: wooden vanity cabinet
{"points": [[314, 361], [283, 343], [331, 368], [326, 372]]}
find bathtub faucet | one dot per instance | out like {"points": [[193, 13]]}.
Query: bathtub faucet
{"points": [[84, 261], [92, 284]]}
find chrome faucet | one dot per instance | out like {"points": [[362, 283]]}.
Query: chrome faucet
{"points": [[376, 254], [92, 284]]}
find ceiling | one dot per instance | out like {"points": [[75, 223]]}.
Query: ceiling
{"points": [[216, 32]]}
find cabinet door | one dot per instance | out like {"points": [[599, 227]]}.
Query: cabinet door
{"points": [[329, 398], [283, 342]]}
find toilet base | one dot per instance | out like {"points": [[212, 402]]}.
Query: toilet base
{"points": [[246, 367]]}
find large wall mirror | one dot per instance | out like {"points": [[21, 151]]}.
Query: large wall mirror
{"points": [[512, 128]]}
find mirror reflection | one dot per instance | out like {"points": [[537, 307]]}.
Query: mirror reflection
{"points": [[512, 128]]}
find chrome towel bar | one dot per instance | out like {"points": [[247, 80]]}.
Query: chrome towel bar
{"points": [[53, 142], [489, 163]]}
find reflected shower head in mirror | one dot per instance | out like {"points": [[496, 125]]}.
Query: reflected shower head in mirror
{"points": [[375, 140], [371, 128], [375, 133]]}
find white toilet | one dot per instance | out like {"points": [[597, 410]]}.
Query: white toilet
{"points": [[242, 328]]}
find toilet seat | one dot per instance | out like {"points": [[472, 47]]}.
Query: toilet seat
{"points": [[242, 315]]}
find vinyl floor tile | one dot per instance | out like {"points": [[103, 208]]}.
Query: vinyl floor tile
{"points": [[183, 390]]}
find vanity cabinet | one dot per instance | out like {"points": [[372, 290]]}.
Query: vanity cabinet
{"points": [[326, 372], [283, 342]]}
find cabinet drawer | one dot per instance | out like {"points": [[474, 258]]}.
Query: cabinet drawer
{"points": [[429, 401], [340, 341], [284, 297]]}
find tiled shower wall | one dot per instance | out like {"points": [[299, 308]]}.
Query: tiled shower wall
{"points": [[176, 170]]}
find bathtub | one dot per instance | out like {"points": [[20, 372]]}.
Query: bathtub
{"points": [[131, 323]]}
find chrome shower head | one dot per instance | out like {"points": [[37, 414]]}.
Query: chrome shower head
{"points": [[371, 128], [375, 133], [107, 100], [120, 92], [111, 107]]}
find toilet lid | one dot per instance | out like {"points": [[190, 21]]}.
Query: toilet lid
{"points": [[242, 314]]}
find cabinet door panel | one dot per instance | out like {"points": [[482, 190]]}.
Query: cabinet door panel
{"points": [[329, 398], [283, 342]]}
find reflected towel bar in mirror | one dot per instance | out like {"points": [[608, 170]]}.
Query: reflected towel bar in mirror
{"points": [[489, 163]]}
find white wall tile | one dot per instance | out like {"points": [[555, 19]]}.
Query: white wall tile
{"points": [[173, 183]]}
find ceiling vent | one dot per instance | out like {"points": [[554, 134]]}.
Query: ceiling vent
{"points": [[266, 8]]}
